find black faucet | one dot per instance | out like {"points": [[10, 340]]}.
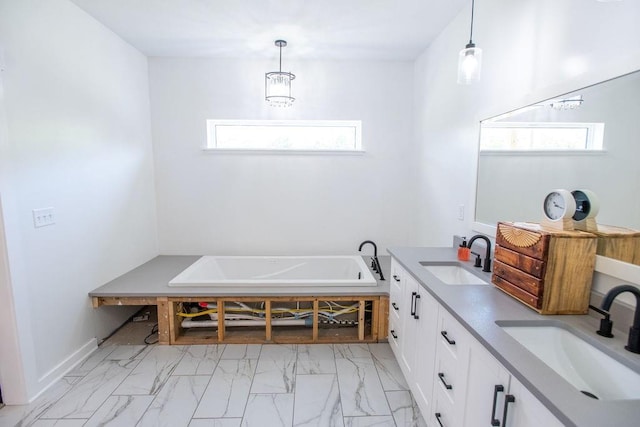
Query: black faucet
{"points": [[633, 344], [375, 264], [487, 255]]}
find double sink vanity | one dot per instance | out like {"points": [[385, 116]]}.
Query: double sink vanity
{"points": [[473, 355]]}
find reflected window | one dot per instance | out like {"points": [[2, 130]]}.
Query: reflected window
{"points": [[537, 136]]}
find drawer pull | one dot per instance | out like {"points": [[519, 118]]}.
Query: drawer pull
{"points": [[396, 278], [415, 309], [438, 416], [509, 398], [497, 389], [413, 305], [447, 386], [395, 306], [446, 337], [393, 334]]}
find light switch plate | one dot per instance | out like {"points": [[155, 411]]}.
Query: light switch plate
{"points": [[43, 216]]}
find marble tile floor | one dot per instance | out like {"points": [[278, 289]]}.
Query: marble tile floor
{"points": [[232, 385]]}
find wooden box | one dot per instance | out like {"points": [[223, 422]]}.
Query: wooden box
{"points": [[550, 271], [619, 243]]}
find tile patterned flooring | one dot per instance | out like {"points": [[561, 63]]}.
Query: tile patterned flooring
{"points": [[350, 385]]}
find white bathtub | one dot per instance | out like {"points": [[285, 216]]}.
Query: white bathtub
{"points": [[269, 271]]}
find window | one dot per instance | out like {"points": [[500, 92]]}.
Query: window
{"points": [[284, 135], [536, 136]]}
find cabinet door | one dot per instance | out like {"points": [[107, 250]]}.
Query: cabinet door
{"points": [[425, 348], [409, 325], [487, 385], [526, 410]]}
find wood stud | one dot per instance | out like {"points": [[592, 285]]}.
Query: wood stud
{"points": [[170, 330]]}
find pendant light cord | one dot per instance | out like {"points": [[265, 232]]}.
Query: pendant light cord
{"points": [[280, 45], [470, 35]]}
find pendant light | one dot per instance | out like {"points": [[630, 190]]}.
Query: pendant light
{"points": [[277, 84], [469, 59]]}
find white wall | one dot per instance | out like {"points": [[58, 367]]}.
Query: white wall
{"points": [[76, 137], [282, 204], [532, 50]]}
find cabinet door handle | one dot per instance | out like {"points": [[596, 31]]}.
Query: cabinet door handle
{"points": [[446, 337], [497, 389], [447, 386], [413, 306], [395, 306], [393, 334], [508, 398], [438, 416], [396, 278], [415, 310]]}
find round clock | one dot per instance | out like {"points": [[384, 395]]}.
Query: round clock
{"points": [[559, 205], [587, 205]]}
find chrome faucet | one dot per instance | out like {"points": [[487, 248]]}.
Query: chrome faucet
{"points": [[487, 255], [375, 264], [633, 344]]}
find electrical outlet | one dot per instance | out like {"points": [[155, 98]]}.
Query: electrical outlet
{"points": [[43, 216], [461, 212]]}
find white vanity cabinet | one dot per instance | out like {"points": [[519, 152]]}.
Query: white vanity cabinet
{"points": [[413, 318], [486, 388], [490, 387], [453, 377]]}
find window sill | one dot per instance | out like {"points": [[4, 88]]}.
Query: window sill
{"points": [[284, 152], [542, 152]]}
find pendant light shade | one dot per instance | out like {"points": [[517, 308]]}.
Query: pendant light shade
{"points": [[277, 84], [469, 59]]}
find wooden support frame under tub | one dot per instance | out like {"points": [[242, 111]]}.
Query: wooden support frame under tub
{"points": [[370, 324]]}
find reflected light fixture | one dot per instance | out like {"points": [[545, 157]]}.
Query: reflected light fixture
{"points": [[567, 103], [277, 84], [469, 59]]}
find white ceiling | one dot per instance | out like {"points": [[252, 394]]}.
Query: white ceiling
{"points": [[314, 29]]}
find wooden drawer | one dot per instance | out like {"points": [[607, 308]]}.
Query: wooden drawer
{"points": [[527, 242], [525, 281], [533, 266], [516, 292]]}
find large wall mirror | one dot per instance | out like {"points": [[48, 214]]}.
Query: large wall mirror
{"points": [[511, 184]]}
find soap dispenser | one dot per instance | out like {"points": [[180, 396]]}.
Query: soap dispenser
{"points": [[463, 250]]}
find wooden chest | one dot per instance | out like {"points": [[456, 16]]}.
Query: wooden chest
{"points": [[550, 271], [619, 243]]}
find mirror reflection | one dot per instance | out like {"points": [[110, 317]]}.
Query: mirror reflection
{"points": [[587, 139]]}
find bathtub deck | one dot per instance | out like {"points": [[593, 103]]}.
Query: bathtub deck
{"points": [[148, 285]]}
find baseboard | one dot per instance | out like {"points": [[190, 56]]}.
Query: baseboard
{"points": [[64, 367]]}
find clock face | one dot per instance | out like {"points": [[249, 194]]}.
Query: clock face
{"points": [[559, 204], [587, 204], [583, 205]]}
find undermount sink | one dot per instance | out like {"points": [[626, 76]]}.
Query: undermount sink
{"points": [[587, 368], [453, 274]]}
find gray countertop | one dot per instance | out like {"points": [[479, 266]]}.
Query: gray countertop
{"points": [[477, 308], [151, 279]]}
